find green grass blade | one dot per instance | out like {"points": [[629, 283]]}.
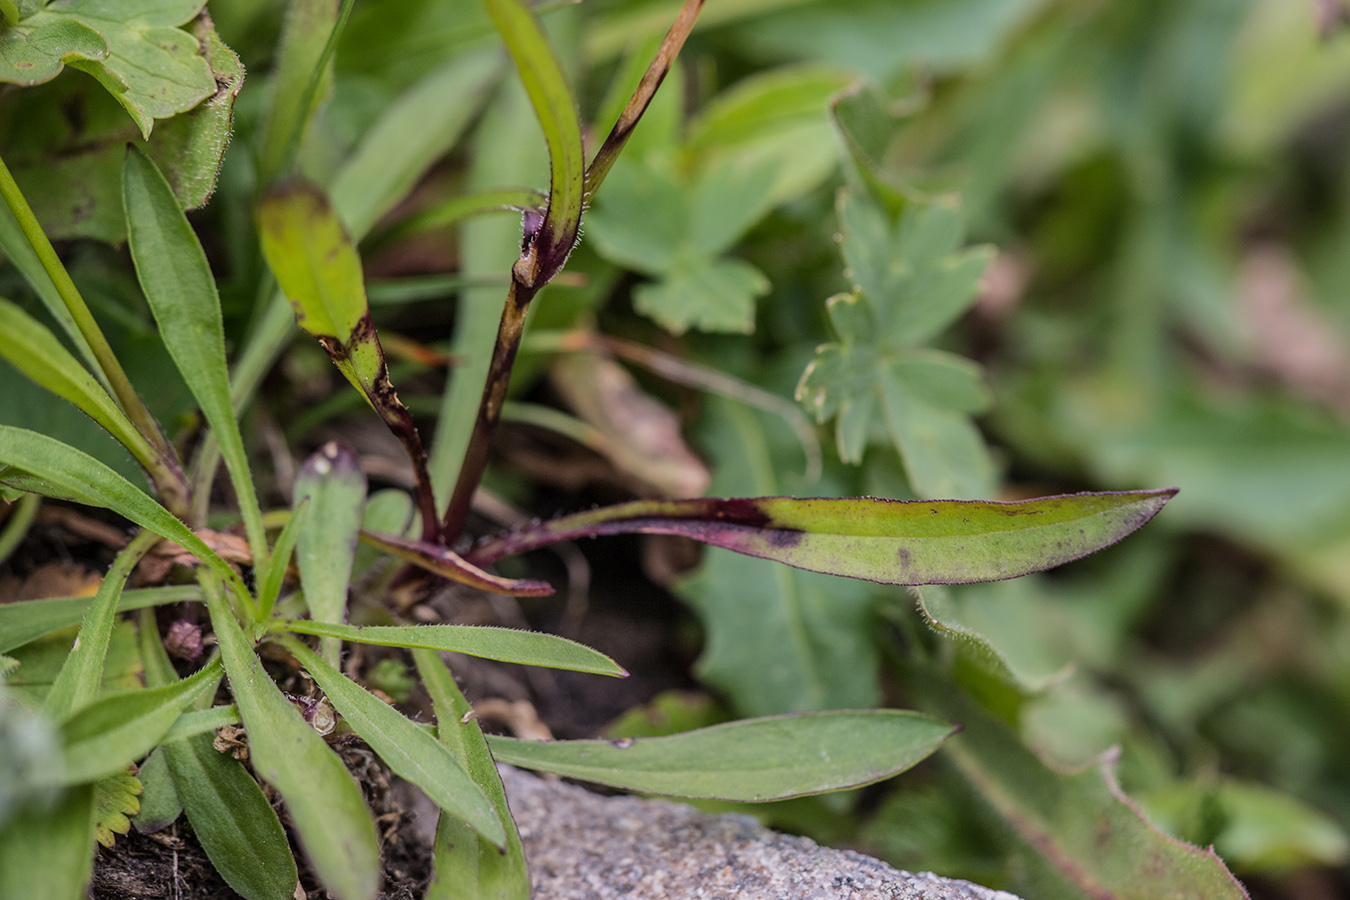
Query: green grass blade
{"points": [[888, 541], [542, 74], [529, 648], [22, 513], [77, 684], [79, 475], [281, 558], [332, 821], [48, 854], [412, 753], [29, 620], [751, 760], [416, 130], [119, 729], [237, 827], [300, 63], [464, 866], [178, 285], [332, 482], [465, 206], [34, 350]]}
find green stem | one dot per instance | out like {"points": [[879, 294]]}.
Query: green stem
{"points": [[21, 516], [165, 471]]}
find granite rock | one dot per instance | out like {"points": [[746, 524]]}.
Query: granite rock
{"points": [[583, 846]]}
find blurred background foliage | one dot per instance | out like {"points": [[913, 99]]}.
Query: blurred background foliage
{"points": [[1166, 184]]}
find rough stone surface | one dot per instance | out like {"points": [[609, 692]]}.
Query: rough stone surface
{"points": [[582, 846]]}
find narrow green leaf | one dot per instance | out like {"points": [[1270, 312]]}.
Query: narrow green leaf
{"points": [[178, 285], [159, 806], [35, 351], [31, 619], [332, 482], [475, 203], [304, 36], [48, 854], [530, 648], [318, 268], [412, 753], [94, 484], [449, 564], [1076, 834], [417, 129], [10, 11], [281, 558], [888, 541], [231, 816], [78, 682], [121, 728], [751, 760], [465, 866], [547, 87], [331, 819]]}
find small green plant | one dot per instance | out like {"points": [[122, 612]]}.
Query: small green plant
{"points": [[910, 276]]}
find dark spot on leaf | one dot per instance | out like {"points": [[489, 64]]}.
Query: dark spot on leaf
{"points": [[904, 557]]}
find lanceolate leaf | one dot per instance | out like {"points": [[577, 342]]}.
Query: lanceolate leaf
{"points": [[317, 267], [332, 482], [31, 619], [331, 818], [119, 729], [178, 285], [889, 541], [751, 760], [46, 854], [84, 478], [447, 563], [547, 248], [411, 752], [465, 866], [529, 648], [303, 39], [36, 352]]}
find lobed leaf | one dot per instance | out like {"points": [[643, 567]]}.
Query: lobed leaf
{"points": [[332, 821], [530, 648], [410, 752], [174, 274], [752, 760], [888, 541]]}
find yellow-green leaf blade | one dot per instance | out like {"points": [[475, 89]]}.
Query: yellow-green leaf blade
{"points": [[751, 760]]}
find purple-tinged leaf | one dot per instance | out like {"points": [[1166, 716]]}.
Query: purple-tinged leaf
{"points": [[889, 541], [448, 564]]}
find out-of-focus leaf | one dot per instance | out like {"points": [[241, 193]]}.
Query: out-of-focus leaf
{"points": [[270, 589], [115, 797], [419, 127], [78, 682], [304, 36], [448, 564], [1078, 835], [118, 729], [911, 281], [505, 644], [136, 50], [331, 818], [31, 619], [714, 295], [333, 483], [888, 541], [40, 661], [176, 278], [159, 805], [749, 760], [35, 351], [547, 250], [866, 126], [48, 854], [412, 753], [464, 866]]}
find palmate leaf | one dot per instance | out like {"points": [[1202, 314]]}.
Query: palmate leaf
{"points": [[752, 760], [888, 541], [134, 49]]}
